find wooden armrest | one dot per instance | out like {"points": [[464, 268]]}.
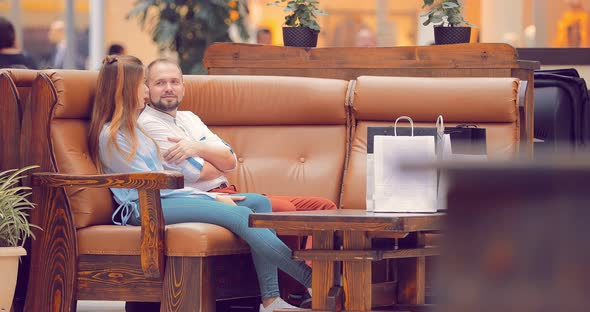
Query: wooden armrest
{"points": [[522, 93], [148, 185], [136, 180]]}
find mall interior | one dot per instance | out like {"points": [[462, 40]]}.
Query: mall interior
{"points": [[502, 181]]}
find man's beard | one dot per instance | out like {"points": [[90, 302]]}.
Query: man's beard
{"points": [[165, 106]]}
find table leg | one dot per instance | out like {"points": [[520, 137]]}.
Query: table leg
{"points": [[322, 278], [357, 273], [412, 273]]}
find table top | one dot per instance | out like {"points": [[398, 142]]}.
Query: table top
{"points": [[348, 219]]}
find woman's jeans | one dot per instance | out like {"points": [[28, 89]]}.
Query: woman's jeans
{"points": [[268, 252]]}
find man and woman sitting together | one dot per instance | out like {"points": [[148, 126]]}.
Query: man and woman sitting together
{"points": [[126, 135]]}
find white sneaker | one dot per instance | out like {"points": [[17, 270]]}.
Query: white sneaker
{"points": [[278, 304]]}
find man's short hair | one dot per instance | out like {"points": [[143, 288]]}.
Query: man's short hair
{"points": [[158, 61], [6, 33]]}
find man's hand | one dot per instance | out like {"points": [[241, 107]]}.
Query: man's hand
{"points": [[218, 155], [182, 150]]}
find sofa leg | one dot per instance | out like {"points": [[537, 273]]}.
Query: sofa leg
{"points": [[52, 278], [188, 285]]}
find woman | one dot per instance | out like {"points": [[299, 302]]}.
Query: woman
{"points": [[117, 144]]}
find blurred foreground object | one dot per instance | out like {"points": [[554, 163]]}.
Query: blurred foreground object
{"points": [[517, 237]]}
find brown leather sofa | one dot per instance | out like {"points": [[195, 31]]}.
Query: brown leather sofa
{"points": [[81, 255], [490, 103], [292, 136]]}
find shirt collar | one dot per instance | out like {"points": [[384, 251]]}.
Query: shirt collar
{"points": [[158, 114]]}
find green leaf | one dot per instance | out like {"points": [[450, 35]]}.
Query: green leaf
{"points": [[14, 204], [315, 27], [290, 20], [319, 12], [435, 19], [455, 20], [445, 12], [301, 13], [427, 3], [141, 7], [291, 7], [449, 5]]}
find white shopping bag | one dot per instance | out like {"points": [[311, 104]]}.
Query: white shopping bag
{"points": [[397, 190]]}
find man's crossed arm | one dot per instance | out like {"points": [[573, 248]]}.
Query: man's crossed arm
{"points": [[217, 159], [198, 160]]}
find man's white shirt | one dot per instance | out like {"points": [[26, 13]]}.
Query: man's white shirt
{"points": [[161, 126]]}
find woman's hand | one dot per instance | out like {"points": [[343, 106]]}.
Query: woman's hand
{"points": [[229, 199]]}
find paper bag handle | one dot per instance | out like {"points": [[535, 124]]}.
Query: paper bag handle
{"points": [[440, 125], [403, 118]]}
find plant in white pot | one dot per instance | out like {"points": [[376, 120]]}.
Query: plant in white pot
{"points": [[301, 27], [447, 16], [14, 230]]}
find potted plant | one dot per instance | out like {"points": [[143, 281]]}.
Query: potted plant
{"points": [[14, 230], [301, 27], [448, 19], [189, 27]]}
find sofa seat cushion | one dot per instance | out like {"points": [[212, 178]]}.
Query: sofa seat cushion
{"points": [[183, 239]]}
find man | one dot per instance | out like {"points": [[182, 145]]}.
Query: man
{"points": [[365, 38], [57, 37], [188, 146]]}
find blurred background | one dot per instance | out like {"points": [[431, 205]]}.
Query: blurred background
{"points": [[522, 23]]}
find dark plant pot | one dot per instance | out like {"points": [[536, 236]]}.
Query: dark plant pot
{"points": [[300, 37], [451, 35]]}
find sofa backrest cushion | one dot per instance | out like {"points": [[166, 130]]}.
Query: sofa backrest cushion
{"points": [[489, 103], [289, 133], [73, 93]]}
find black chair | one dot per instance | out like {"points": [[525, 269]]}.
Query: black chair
{"points": [[562, 112]]}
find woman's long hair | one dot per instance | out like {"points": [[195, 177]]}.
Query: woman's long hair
{"points": [[116, 102]]}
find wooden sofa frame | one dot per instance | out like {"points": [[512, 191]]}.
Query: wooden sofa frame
{"points": [[59, 275]]}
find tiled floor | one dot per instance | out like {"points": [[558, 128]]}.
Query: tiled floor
{"points": [[101, 306]]}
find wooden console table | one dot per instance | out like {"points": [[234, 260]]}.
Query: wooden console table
{"points": [[358, 227], [459, 60]]}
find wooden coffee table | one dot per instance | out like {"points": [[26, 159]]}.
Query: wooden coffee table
{"points": [[358, 227]]}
